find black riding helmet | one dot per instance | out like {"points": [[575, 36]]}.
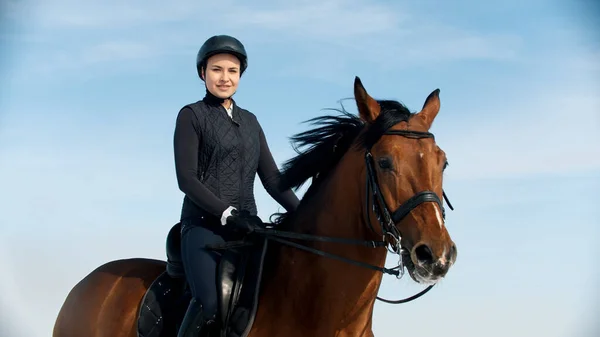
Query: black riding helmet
{"points": [[219, 44]]}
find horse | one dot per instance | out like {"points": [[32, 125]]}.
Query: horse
{"points": [[375, 188]]}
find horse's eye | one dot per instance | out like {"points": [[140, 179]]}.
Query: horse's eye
{"points": [[385, 163]]}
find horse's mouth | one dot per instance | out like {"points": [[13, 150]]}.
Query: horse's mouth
{"points": [[418, 274]]}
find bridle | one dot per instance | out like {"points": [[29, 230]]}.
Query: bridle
{"points": [[391, 236], [388, 219]]}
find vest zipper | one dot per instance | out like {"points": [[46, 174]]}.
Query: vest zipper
{"points": [[238, 125]]}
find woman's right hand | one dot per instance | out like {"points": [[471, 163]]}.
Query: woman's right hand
{"points": [[242, 221]]}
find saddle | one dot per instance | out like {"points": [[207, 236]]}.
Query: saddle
{"points": [[238, 282]]}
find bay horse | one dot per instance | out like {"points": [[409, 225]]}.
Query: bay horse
{"points": [[376, 187]]}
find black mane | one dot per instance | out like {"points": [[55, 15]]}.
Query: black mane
{"points": [[327, 143]]}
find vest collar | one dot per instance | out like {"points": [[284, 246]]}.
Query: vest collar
{"points": [[217, 102]]}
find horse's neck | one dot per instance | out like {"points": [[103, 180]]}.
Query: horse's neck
{"points": [[330, 291], [341, 215], [340, 206]]}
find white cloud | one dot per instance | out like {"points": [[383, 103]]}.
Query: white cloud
{"points": [[11, 9], [585, 62], [116, 32], [14, 316], [327, 20], [106, 15], [346, 31], [117, 50], [88, 61]]}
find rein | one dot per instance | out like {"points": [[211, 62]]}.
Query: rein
{"points": [[385, 217], [374, 244]]}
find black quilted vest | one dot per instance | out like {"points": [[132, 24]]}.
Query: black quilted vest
{"points": [[228, 156]]}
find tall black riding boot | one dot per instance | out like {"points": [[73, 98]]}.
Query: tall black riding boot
{"points": [[194, 323]]}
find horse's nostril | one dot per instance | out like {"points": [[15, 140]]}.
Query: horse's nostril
{"points": [[424, 254]]}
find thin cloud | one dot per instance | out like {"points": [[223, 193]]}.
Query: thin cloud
{"points": [[95, 55], [374, 31], [117, 51], [586, 63], [11, 9], [14, 320], [102, 33], [106, 15], [542, 139], [325, 20]]}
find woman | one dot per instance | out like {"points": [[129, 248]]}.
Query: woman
{"points": [[219, 148]]}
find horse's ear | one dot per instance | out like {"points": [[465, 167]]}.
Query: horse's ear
{"points": [[368, 108], [430, 108]]}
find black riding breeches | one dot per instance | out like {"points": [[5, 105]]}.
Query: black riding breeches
{"points": [[200, 264]]}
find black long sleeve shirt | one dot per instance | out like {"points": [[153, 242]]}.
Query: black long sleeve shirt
{"points": [[217, 158]]}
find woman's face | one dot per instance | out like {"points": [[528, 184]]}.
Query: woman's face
{"points": [[222, 75]]}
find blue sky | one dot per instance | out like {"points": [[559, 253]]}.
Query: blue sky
{"points": [[91, 91]]}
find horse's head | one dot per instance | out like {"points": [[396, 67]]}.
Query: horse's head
{"points": [[405, 168]]}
